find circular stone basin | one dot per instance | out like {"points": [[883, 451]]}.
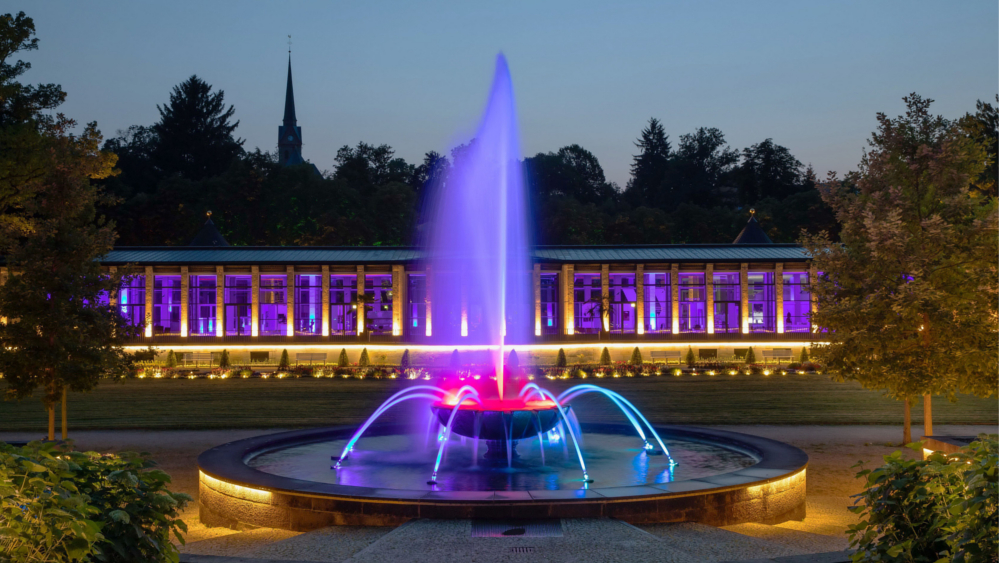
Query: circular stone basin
{"points": [[284, 481]]}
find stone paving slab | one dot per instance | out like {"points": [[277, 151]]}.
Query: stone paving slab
{"points": [[708, 543], [796, 539], [829, 557], [605, 540]]}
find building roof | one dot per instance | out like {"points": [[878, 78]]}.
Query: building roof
{"points": [[243, 255], [752, 233], [209, 235]]}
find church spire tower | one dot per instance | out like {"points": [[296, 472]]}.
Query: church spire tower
{"points": [[289, 134]]}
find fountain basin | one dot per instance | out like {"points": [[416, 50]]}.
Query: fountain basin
{"points": [[234, 494], [508, 420]]}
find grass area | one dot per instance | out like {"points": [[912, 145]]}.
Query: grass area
{"points": [[258, 403]]}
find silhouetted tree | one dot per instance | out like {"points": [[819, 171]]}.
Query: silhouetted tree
{"points": [[649, 167], [699, 166], [194, 137], [768, 170]]}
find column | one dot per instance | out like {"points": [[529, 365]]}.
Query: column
{"points": [[254, 301], [464, 304], [710, 298], [149, 301], [536, 285], [675, 299], [3, 280], [566, 291], [605, 298], [640, 299], [290, 300], [112, 297], [220, 301], [813, 280], [185, 297], [325, 285], [398, 299], [361, 306], [779, 297], [427, 301], [744, 297]]}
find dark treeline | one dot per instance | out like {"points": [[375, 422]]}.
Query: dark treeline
{"points": [[191, 162]]}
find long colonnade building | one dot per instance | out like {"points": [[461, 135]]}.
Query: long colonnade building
{"points": [[718, 298]]}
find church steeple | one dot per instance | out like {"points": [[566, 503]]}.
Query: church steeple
{"points": [[289, 97], [289, 133]]}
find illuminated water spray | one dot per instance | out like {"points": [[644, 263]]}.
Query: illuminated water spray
{"points": [[478, 237]]}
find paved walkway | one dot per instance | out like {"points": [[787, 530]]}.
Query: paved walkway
{"points": [[575, 541]]}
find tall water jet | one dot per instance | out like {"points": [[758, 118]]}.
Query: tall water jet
{"points": [[478, 238]]}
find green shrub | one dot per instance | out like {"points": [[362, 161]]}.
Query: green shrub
{"points": [[943, 508], [404, 362], [342, 361], [456, 361], [751, 357], [605, 357], [224, 359], [363, 361], [561, 359], [85, 506], [283, 362], [689, 359], [512, 361], [804, 357], [636, 359], [171, 359]]}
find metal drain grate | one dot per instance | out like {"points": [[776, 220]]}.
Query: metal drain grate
{"points": [[521, 549], [517, 529]]}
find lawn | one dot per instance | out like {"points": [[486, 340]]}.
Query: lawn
{"points": [[271, 403]]}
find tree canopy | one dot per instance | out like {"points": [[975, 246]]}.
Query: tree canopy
{"points": [[908, 295]]}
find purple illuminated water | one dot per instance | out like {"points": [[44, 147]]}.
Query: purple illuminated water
{"points": [[479, 279]]}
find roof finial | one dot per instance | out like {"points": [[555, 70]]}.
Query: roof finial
{"points": [[289, 44], [752, 211], [208, 214]]}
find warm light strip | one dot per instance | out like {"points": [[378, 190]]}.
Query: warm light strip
{"points": [[450, 347], [233, 490]]}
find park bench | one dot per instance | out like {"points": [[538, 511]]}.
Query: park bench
{"points": [[777, 354], [310, 357], [197, 357], [665, 356]]}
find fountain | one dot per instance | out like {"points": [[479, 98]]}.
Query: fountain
{"points": [[480, 288]]}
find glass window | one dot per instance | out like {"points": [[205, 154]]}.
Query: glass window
{"points": [[656, 302], [166, 305], [691, 289], [378, 311], [308, 304], [132, 300], [201, 305], [239, 302], [550, 303], [796, 301], [622, 298], [273, 306], [726, 296], [343, 305], [416, 296], [760, 298], [587, 303]]}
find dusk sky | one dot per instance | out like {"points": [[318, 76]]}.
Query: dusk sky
{"points": [[810, 75]]}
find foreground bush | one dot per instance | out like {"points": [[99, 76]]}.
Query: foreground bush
{"points": [[58, 505], [942, 509]]}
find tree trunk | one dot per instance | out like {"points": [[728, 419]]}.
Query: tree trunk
{"points": [[52, 420], [928, 419], [906, 421], [63, 425]]}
